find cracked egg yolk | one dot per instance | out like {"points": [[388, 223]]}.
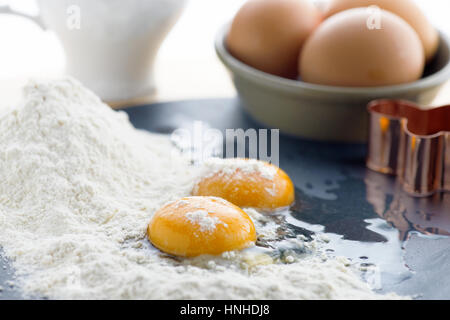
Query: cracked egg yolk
{"points": [[250, 188], [193, 226]]}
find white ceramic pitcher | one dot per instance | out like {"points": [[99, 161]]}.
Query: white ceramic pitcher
{"points": [[110, 45]]}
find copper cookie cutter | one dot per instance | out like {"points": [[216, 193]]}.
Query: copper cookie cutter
{"points": [[412, 143]]}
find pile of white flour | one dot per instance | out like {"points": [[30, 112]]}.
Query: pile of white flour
{"points": [[78, 186]]}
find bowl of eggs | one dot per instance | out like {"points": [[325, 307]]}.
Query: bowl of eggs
{"points": [[312, 72]]}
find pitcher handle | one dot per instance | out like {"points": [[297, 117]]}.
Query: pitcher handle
{"points": [[36, 19]]}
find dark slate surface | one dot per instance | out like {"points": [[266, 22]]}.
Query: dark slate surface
{"points": [[366, 214]]}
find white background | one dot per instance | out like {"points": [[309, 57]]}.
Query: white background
{"points": [[187, 66]]}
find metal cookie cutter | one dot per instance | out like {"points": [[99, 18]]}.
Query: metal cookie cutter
{"points": [[412, 143]]}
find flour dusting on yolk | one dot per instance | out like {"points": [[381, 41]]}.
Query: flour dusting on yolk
{"points": [[246, 183], [193, 226]]}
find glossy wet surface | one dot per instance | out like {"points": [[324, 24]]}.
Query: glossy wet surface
{"points": [[400, 243]]}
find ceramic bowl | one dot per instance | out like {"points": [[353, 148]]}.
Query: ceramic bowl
{"points": [[321, 112]]}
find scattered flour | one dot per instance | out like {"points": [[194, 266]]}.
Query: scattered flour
{"points": [[202, 218], [78, 186], [229, 166]]}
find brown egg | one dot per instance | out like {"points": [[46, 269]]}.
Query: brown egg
{"points": [[268, 34], [345, 51], [406, 9]]}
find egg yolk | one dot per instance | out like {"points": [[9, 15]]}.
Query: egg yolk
{"points": [[193, 226], [249, 188]]}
